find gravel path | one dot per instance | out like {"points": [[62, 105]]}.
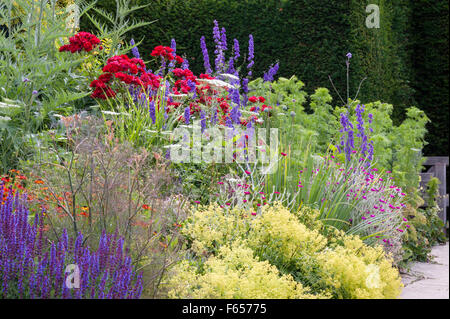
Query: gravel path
{"points": [[428, 280]]}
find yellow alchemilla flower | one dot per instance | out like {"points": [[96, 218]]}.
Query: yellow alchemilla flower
{"points": [[235, 273]]}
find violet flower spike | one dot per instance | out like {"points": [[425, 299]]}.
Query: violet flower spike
{"points": [[206, 63], [135, 50]]}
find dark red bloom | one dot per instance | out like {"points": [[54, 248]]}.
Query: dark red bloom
{"points": [[81, 41], [179, 59], [253, 99], [164, 52]]}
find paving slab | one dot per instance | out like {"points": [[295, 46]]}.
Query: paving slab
{"points": [[428, 280]]}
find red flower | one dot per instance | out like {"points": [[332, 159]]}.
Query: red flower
{"points": [[81, 41], [179, 59], [261, 99], [97, 84], [264, 107], [206, 76], [105, 77], [124, 77], [164, 52], [6, 179], [253, 99]]}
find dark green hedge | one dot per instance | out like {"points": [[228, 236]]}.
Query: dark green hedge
{"points": [[310, 39], [431, 65]]}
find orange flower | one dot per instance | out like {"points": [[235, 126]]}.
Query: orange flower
{"points": [[146, 207], [39, 181], [163, 244]]}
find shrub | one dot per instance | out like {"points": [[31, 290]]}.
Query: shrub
{"points": [[237, 243], [277, 230], [235, 273], [210, 227], [356, 270], [426, 228]]}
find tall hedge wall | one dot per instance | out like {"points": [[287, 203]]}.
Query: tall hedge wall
{"points": [[431, 66], [405, 60]]}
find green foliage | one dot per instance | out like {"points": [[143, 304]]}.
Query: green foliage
{"points": [[383, 54], [114, 23], [407, 160], [36, 81]]}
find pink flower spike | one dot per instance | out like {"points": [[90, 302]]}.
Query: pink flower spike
{"points": [[405, 219], [254, 214], [247, 172], [408, 226], [300, 185], [276, 192], [245, 201], [220, 183], [197, 202], [284, 154], [228, 204]]}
